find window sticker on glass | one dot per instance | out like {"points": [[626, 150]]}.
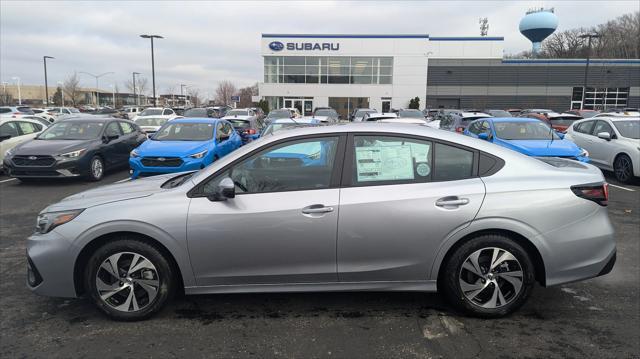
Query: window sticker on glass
{"points": [[380, 163]]}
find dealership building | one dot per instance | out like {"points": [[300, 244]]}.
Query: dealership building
{"points": [[386, 71]]}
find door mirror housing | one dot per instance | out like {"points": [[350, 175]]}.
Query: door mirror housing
{"points": [[226, 189], [604, 135]]}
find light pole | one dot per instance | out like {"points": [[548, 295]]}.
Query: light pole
{"points": [[586, 68], [153, 66], [182, 86], [17, 79], [61, 91], [46, 85], [97, 86], [113, 95], [134, 88]]}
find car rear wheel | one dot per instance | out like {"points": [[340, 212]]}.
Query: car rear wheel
{"points": [[623, 168], [489, 276], [96, 169], [129, 280]]}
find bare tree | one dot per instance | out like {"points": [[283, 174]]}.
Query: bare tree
{"points": [[195, 96], [71, 88], [225, 90], [245, 94]]}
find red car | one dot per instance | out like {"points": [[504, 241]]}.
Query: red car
{"points": [[558, 121]]}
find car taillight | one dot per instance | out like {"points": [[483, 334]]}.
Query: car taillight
{"points": [[250, 131], [459, 129], [598, 192]]}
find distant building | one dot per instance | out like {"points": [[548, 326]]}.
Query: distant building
{"points": [[34, 95]]}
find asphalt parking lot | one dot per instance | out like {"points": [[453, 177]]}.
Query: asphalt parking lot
{"points": [[597, 318]]}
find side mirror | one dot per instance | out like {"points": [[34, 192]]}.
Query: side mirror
{"points": [[4, 137], [225, 190], [484, 136], [604, 135]]}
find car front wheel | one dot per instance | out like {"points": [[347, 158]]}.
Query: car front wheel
{"points": [[96, 169], [129, 279], [489, 276], [623, 168]]}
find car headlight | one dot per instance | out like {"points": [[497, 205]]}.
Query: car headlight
{"points": [[584, 153], [134, 154], [50, 220], [199, 154], [74, 154], [9, 152]]}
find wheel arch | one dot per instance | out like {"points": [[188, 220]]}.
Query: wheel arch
{"points": [[531, 249], [94, 244]]}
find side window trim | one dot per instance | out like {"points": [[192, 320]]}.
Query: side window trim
{"points": [[347, 169], [336, 174]]}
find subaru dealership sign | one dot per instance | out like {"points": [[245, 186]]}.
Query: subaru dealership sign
{"points": [[304, 46]]}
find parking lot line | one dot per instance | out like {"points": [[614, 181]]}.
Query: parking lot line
{"points": [[624, 188], [7, 180]]}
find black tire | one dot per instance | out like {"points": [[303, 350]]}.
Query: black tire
{"points": [[452, 271], [165, 277], [92, 174], [623, 169]]}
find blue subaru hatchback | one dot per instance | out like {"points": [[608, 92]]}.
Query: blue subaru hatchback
{"points": [[529, 136], [185, 144]]}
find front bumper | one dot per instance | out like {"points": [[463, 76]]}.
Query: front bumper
{"points": [[138, 169], [59, 169], [50, 265]]}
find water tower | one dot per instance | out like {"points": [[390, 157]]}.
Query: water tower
{"points": [[537, 25]]}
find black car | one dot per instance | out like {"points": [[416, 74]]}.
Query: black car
{"points": [[75, 147], [249, 129], [200, 112]]}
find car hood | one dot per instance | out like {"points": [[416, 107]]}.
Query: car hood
{"points": [[119, 191], [171, 148], [556, 148], [322, 118], [51, 147]]}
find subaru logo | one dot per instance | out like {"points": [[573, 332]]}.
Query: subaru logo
{"points": [[161, 159], [276, 46], [33, 158]]}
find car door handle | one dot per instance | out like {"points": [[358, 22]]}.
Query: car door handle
{"points": [[451, 202], [316, 208]]}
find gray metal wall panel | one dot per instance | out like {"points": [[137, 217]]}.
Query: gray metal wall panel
{"points": [[556, 103]]}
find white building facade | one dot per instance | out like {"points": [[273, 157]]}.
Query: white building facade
{"points": [[352, 71]]}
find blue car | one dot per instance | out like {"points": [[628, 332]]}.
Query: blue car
{"points": [[529, 136], [185, 144]]}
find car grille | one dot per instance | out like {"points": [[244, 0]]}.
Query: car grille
{"points": [[18, 173], [33, 161], [162, 161]]}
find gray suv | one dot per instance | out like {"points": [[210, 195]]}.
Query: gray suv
{"points": [[364, 206]]}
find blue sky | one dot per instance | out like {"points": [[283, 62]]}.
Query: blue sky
{"points": [[206, 42]]}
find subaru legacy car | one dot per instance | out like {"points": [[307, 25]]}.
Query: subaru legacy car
{"points": [[85, 146], [362, 206], [184, 144], [526, 135]]}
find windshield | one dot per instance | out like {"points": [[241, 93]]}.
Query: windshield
{"points": [[151, 121], [239, 123], [73, 130], [151, 112], [628, 128], [524, 131], [411, 114], [279, 114], [184, 132], [563, 121], [196, 112], [328, 113], [499, 113], [238, 113], [361, 113]]}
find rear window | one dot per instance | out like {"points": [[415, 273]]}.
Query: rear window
{"points": [[25, 110], [240, 123], [563, 121]]}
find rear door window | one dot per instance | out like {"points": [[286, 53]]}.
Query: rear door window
{"points": [[452, 163], [27, 128], [602, 126], [126, 128]]}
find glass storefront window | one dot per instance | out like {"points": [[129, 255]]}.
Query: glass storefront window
{"points": [[333, 70]]}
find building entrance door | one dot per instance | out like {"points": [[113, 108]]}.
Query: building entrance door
{"points": [[305, 106]]}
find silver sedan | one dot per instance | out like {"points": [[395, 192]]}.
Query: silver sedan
{"points": [[347, 207]]}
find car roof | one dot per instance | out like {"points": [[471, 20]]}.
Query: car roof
{"points": [[512, 119], [90, 119], [195, 120], [304, 120]]}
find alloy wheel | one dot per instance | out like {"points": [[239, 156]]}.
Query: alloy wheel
{"points": [[97, 168], [491, 277], [622, 168], [127, 281]]}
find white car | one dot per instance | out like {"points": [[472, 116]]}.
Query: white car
{"points": [[359, 115], [295, 113], [413, 120], [151, 124], [244, 114], [631, 112], [16, 130], [613, 143], [369, 117], [57, 112], [43, 113], [132, 111], [155, 112]]}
